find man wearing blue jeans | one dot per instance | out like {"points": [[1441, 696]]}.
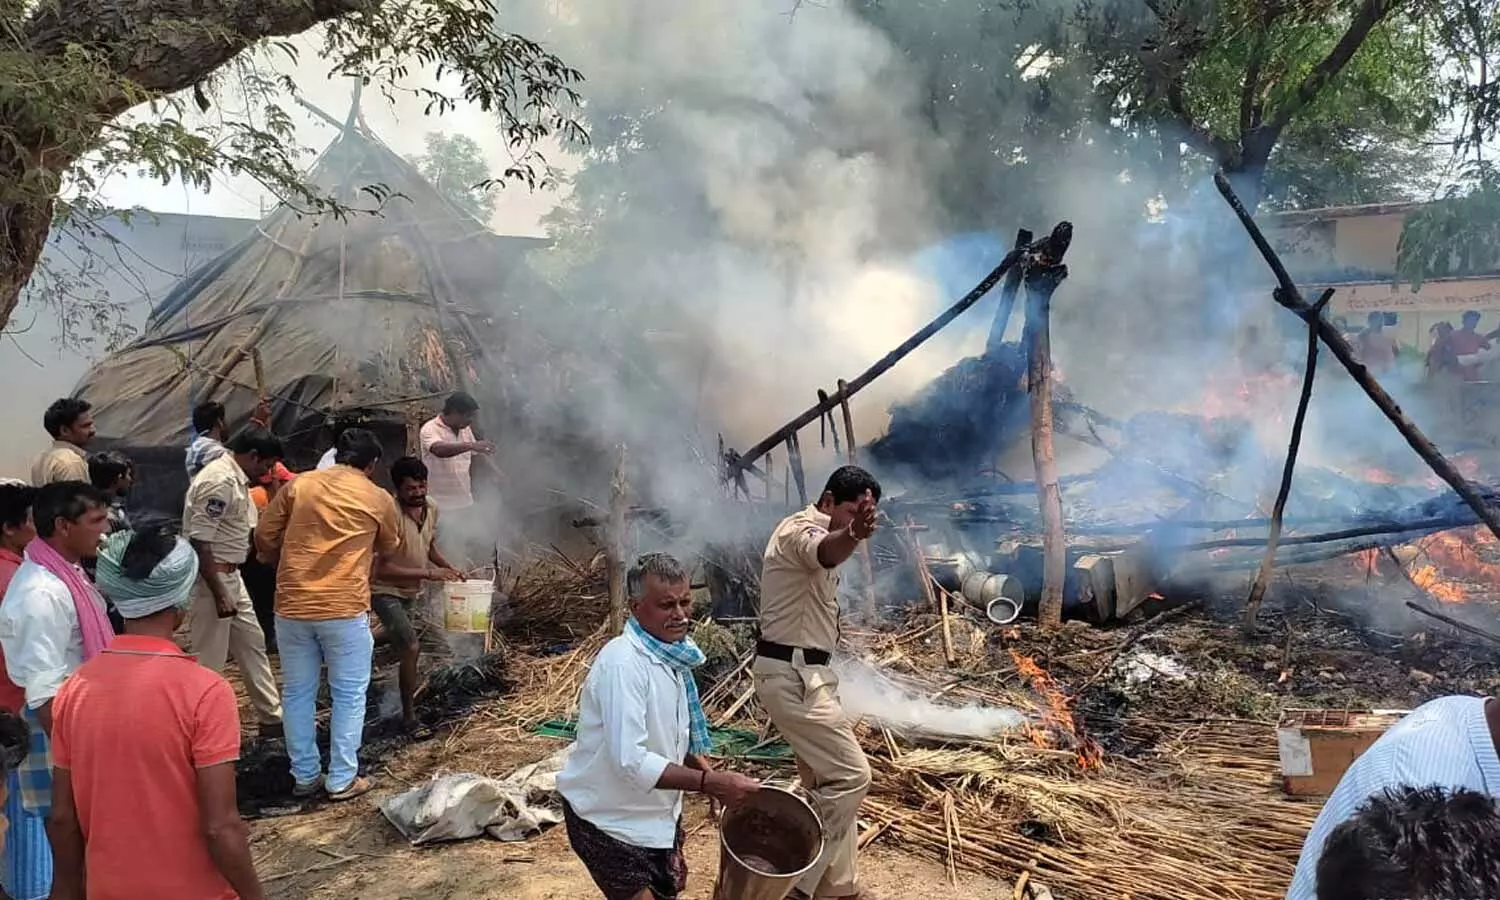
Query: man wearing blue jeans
{"points": [[327, 527]]}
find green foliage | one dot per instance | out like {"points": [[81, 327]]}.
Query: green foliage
{"points": [[191, 98], [456, 166], [1457, 235]]}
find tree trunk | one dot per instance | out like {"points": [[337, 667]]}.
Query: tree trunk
{"points": [[23, 233]]}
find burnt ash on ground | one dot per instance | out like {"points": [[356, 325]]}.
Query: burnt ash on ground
{"points": [[263, 775]]}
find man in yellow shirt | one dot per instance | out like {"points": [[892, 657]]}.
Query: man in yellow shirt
{"points": [[328, 526], [72, 427]]}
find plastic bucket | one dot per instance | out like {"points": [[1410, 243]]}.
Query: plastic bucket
{"points": [[765, 845], [466, 606]]}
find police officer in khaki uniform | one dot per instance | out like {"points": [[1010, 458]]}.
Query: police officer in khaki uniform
{"points": [[218, 520], [799, 629]]}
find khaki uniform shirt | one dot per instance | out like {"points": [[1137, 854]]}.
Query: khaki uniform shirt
{"points": [[62, 462], [799, 604], [218, 510], [416, 544], [328, 525]]}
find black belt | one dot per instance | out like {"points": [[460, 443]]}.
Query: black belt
{"points": [[773, 650]]}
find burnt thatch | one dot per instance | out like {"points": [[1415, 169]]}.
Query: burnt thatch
{"points": [[370, 317]]}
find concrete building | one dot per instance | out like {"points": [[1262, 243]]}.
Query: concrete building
{"points": [[1353, 249], [131, 264]]}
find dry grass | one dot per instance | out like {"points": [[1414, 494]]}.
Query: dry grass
{"points": [[1198, 816]]}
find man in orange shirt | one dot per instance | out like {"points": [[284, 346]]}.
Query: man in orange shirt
{"points": [[328, 526], [144, 742]]}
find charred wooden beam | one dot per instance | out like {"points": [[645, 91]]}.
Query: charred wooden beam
{"points": [[1050, 247], [1042, 278], [1268, 562], [1008, 293]]}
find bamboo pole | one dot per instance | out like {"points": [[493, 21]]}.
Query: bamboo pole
{"points": [[937, 599], [1289, 297], [1273, 535], [1041, 281], [619, 500], [866, 566]]}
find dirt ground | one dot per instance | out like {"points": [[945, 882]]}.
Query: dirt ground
{"points": [[352, 851]]}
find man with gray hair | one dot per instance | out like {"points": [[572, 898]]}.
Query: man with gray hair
{"points": [[642, 741]]}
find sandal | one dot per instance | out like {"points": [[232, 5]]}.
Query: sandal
{"points": [[358, 787]]}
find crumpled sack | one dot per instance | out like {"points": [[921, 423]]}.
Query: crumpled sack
{"points": [[464, 805]]}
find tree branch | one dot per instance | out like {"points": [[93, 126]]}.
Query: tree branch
{"points": [[1222, 152], [164, 46], [1251, 108], [1370, 13]]}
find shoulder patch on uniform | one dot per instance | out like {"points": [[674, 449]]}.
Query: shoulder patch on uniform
{"points": [[815, 531], [215, 508]]}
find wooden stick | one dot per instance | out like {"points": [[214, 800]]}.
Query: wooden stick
{"points": [[1288, 296], [794, 459], [1268, 562], [260, 372], [1041, 281], [866, 566], [1461, 626], [938, 600], [614, 546], [885, 362], [1008, 293]]}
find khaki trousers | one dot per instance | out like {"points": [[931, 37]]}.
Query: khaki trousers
{"points": [[803, 703], [215, 639]]}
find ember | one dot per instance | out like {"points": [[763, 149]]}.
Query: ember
{"points": [[1057, 714]]}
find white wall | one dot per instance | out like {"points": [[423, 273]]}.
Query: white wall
{"points": [[136, 264]]}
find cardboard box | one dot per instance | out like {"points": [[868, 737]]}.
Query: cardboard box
{"points": [[1318, 745]]}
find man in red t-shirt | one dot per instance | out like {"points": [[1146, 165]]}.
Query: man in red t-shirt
{"points": [[1467, 340], [144, 742]]}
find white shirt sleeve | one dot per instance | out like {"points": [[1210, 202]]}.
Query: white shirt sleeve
{"points": [[36, 632], [621, 692]]}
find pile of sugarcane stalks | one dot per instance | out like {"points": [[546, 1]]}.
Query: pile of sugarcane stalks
{"points": [[558, 597], [1200, 818]]}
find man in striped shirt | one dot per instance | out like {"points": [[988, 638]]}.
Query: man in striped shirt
{"points": [[1448, 743]]}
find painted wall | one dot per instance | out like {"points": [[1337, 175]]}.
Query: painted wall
{"points": [[1354, 251], [136, 264]]}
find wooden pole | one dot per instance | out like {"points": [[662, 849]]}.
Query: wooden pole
{"points": [[936, 598], [1008, 293], [1273, 535], [1461, 626], [885, 362], [1041, 281], [794, 459], [1289, 297], [865, 564], [619, 500]]}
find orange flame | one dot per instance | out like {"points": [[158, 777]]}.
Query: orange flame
{"points": [[1057, 714], [1447, 565]]}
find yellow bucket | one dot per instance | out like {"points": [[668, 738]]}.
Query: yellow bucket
{"points": [[466, 606]]}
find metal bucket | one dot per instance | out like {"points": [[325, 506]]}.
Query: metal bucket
{"points": [[765, 845]]}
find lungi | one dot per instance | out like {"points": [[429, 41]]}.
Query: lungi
{"points": [[622, 870]]}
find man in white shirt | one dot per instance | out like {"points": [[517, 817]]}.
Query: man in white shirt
{"points": [[44, 639], [642, 742], [448, 450], [1448, 743]]}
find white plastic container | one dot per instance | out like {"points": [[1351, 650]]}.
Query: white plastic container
{"points": [[466, 606]]}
